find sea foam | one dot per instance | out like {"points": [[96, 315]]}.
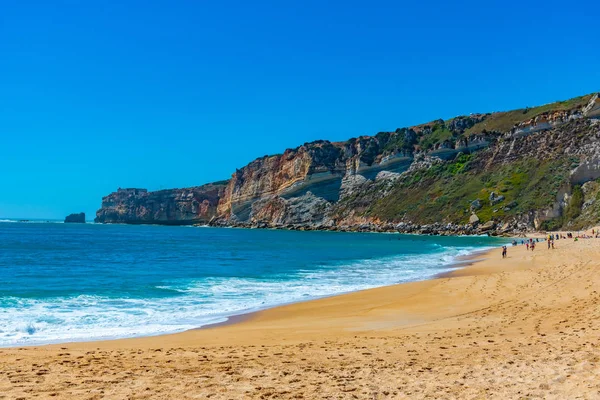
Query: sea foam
{"points": [[203, 301], [81, 282]]}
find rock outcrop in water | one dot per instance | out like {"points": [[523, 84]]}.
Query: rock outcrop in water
{"points": [[520, 167], [75, 218]]}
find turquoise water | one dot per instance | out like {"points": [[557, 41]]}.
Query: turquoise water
{"points": [[70, 282]]}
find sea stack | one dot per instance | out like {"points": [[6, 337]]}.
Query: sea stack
{"points": [[75, 218]]}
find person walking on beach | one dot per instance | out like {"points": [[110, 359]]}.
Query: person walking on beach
{"points": [[504, 250], [527, 246], [532, 246]]}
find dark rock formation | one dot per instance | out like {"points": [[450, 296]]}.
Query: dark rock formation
{"points": [[75, 218]]}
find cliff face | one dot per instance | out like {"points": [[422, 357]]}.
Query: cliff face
{"points": [[320, 166], [278, 175], [521, 166], [518, 182], [170, 207]]}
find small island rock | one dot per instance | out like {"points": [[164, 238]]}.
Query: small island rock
{"points": [[75, 218]]}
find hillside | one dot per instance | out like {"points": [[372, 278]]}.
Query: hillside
{"points": [[502, 172]]}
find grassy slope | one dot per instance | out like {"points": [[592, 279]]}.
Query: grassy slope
{"points": [[439, 134], [495, 122], [504, 121], [444, 193]]}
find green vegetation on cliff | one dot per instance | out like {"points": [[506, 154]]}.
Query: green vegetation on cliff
{"points": [[582, 210], [586, 205], [574, 208], [504, 121], [445, 192], [526, 168], [439, 134], [530, 179]]}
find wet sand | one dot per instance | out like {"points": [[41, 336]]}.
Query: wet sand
{"points": [[523, 327]]}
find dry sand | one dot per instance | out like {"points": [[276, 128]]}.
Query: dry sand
{"points": [[524, 327]]}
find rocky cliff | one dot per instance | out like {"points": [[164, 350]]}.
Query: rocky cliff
{"points": [[499, 171], [196, 205]]}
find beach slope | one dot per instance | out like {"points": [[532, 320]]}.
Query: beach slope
{"points": [[523, 327]]}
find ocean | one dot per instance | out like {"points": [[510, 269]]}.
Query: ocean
{"points": [[75, 282]]}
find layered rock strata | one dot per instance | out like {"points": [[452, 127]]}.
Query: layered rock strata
{"points": [[196, 205], [346, 185]]}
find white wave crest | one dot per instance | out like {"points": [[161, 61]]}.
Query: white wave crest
{"points": [[204, 301]]}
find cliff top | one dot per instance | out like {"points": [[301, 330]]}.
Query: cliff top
{"points": [[433, 133]]}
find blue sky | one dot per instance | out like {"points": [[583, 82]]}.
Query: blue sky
{"points": [[100, 95]]}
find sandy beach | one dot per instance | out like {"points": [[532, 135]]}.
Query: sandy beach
{"points": [[527, 326]]}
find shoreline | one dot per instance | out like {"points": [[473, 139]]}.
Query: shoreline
{"points": [[467, 261], [461, 262], [433, 229], [524, 326], [458, 263], [468, 265]]}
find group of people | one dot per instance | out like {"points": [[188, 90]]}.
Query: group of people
{"points": [[595, 234], [530, 243]]}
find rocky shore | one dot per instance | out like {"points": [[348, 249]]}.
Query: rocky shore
{"points": [[490, 228]]}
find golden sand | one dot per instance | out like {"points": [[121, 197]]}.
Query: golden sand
{"points": [[523, 327]]}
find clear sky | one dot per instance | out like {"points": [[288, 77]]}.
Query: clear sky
{"points": [[162, 94]]}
